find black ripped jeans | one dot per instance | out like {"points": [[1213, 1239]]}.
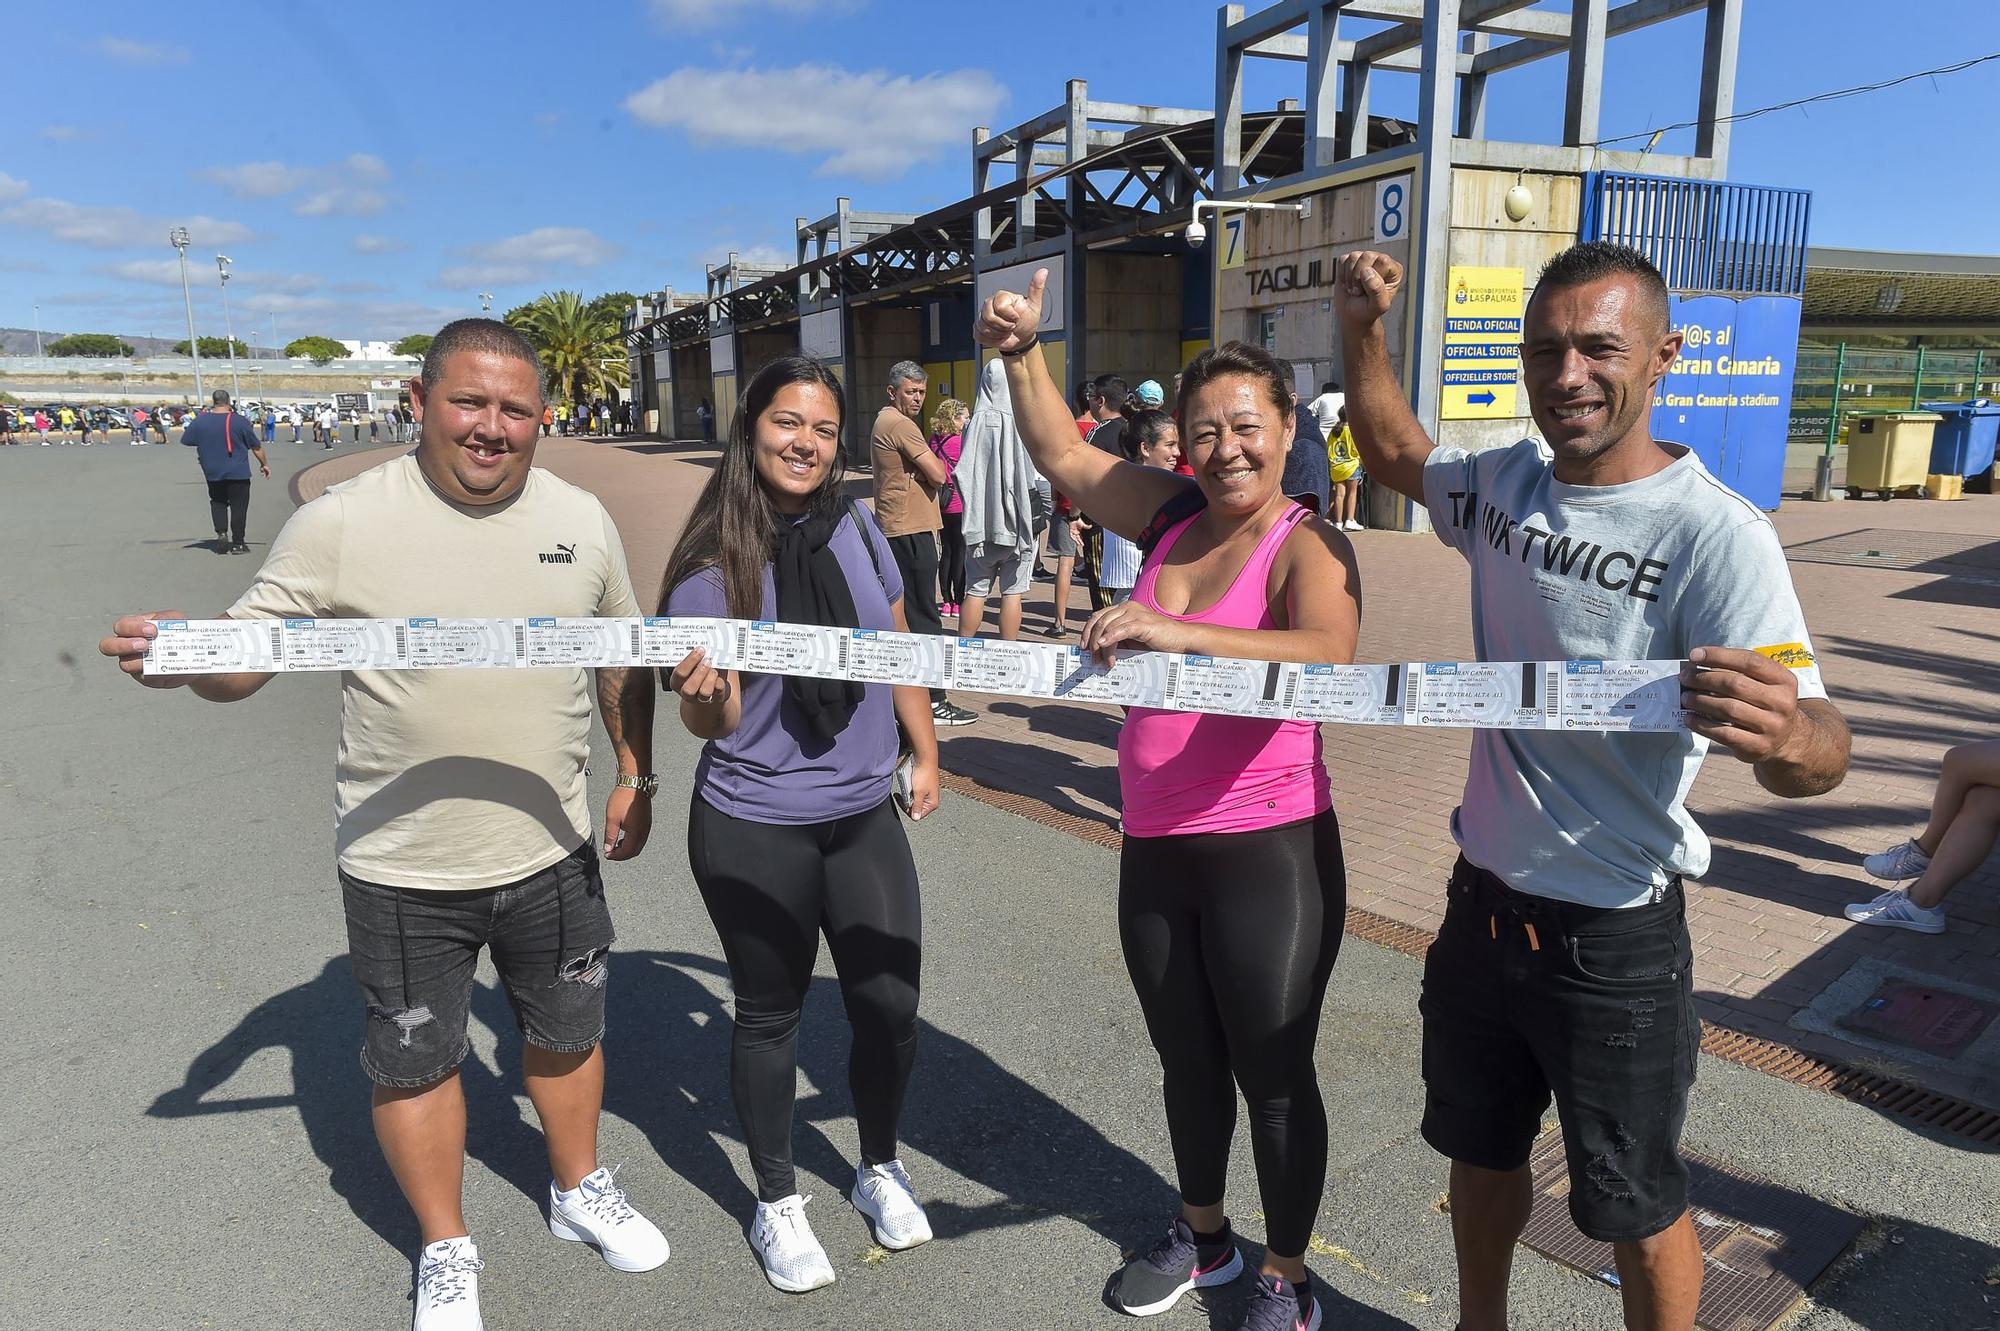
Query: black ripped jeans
{"points": [[1526, 997]]}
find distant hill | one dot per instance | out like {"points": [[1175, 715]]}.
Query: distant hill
{"points": [[21, 341]]}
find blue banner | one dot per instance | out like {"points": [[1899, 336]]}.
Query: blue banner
{"points": [[1729, 396]]}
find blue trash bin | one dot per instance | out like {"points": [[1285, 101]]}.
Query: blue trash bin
{"points": [[1965, 439]]}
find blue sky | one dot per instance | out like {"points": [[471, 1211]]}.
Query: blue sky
{"points": [[371, 167]]}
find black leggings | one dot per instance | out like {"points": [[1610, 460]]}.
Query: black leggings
{"points": [[229, 508], [1230, 939], [951, 560], [771, 889]]}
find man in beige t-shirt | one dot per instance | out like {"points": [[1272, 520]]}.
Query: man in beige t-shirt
{"points": [[907, 477], [459, 798]]}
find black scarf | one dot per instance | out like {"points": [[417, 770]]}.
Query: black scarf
{"points": [[812, 589]]}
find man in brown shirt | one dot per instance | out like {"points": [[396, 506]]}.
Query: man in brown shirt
{"points": [[907, 478]]}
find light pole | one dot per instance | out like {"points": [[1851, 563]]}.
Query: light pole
{"points": [[222, 262], [486, 302], [178, 238], [277, 347], [38, 331]]}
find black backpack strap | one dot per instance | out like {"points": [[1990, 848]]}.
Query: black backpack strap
{"points": [[854, 515], [1180, 508]]}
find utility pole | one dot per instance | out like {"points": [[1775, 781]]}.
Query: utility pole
{"points": [[38, 331], [222, 262], [178, 238]]}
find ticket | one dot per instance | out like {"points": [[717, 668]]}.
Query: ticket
{"points": [[765, 647], [1229, 685], [1479, 693], [1138, 679], [666, 641], [875, 657], [342, 644], [1621, 695], [465, 644], [215, 646], [599, 643], [987, 665], [1362, 695]]}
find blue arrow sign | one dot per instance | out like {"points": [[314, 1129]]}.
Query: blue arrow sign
{"points": [[1485, 399]]}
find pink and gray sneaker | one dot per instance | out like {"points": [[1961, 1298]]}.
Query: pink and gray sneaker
{"points": [[1274, 1306], [1154, 1281]]}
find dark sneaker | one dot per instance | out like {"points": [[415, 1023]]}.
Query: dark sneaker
{"points": [[949, 714], [1154, 1282], [239, 549], [221, 543], [1274, 1306]]}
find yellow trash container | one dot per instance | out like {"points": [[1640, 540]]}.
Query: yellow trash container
{"points": [[1889, 451]]}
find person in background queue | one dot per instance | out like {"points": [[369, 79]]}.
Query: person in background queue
{"points": [[907, 479], [224, 442], [947, 440], [998, 483], [791, 830], [1566, 913], [1232, 892], [461, 820], [1152, 439]]}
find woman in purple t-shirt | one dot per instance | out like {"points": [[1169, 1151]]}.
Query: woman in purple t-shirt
{"points": [[792, 830]]}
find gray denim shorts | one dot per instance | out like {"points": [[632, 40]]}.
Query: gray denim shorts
{"points": [[413, 952]]}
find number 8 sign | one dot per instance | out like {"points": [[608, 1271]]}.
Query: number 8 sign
{"points": [[1392, 208]]}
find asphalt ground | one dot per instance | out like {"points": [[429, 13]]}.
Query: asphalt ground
{"points": [[187, 1125]]}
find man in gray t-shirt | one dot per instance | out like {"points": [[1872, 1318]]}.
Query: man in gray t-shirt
{"points": [[1563, 966]]}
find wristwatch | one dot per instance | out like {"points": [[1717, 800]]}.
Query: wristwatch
{"points": [[645, 785]]}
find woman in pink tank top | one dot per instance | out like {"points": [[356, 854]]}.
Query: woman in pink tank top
{"points": [[1231, 891]]}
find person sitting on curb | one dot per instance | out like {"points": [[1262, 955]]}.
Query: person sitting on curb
{"points": [[1965, 820]]}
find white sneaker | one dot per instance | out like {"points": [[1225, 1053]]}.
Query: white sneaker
{"points": [[1904, 860], [793, 1260], [598, 1214], [1353, 524], [883, 1194], [448, 1287], [1894, 910]]}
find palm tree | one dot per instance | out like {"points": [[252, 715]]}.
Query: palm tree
{"points": [[583, 353]]}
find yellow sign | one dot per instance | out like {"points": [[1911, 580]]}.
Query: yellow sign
{"points": [[1482, 344], [1229, 240]]}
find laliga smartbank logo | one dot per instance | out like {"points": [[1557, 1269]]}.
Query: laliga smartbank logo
{"points": [[1792, 655]]}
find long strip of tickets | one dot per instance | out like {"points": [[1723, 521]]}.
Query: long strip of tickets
{"points": [[1512, 695]]}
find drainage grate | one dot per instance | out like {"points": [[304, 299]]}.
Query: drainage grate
{"points": [[1762, 1244], [1885, 547], [1885, 1095]]}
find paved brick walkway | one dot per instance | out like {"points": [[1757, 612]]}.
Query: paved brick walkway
{"points": [[1911, 655]]}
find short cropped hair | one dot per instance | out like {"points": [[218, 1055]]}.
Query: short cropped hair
{"points": [[488, 335], [907, 369], [220, 397], [1595, 260]]}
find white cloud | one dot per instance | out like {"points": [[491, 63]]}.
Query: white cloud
{"points": [[365, 244], [529, 258], [873, 125], [12, 189], [114, 227], [153, 272], [258, 180], [338, 189], [128, 52], [66, 133], [709, 13], [759, 254], [248, 282]]}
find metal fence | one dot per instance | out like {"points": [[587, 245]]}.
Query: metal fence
{"points": [[1704, 236], [1833, 384]]}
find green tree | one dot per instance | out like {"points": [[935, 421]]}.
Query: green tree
{"points": [[319, 349], [614, 305], [416, 344], [214, 348], [583, 356], [88, 344]]}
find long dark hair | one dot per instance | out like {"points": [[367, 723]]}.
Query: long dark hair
{"points": [[734, 526]]}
